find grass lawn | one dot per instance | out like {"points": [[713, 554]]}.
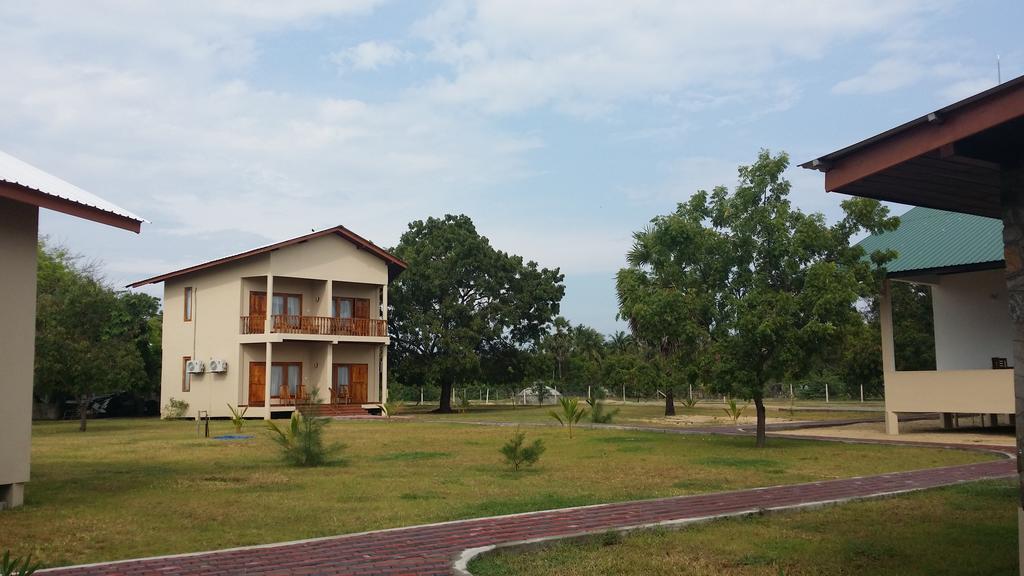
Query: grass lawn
{"points": [[642, 414], [131, 488], [962, 530]]}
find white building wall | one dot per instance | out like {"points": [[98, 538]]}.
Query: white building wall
{"points": [[972, 320]]}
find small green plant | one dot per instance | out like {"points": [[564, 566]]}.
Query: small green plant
{"points": [[611, 538], [571, 414], [391, 407], [17, 566], [174, 409], [517, 454], [734, 410], [689, 402], [598, 415], [237, 418], [463, 399], [302, 443]]}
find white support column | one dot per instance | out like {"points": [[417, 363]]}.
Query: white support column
{"points": [[330, 297], [384, 373], [266, 379], [325, 394], [267, 323], [885, 319], [892, 424]]}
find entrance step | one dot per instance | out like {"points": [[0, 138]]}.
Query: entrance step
{"points": [[339, 410]]}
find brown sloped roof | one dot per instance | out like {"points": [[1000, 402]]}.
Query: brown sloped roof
{"points": [[951, 159], [395, 265]]}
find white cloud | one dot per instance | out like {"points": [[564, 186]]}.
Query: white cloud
{"points": [[883, 76], [912, 56], [370, 55], [589, 56]]}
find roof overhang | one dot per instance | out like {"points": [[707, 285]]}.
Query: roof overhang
{"points": [[951, 159], [27, 195], [947, 270]]}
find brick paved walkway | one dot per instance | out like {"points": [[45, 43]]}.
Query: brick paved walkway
{"points": [[432, 549]]}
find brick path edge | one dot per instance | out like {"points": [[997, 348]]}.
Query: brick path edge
{"points": [[460, 566]]}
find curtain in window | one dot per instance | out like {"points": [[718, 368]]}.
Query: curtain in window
{"points": [[294, 308], [277, 307], [276, 376], [342, 375], [293, 378]]}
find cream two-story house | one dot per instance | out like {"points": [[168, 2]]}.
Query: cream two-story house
{"points": [[295, 323]]}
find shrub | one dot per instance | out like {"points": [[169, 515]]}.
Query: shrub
{"points": [[571, 413], [391, 407], [517, 455], [598, 414], [174, 408], [689, 402], [237, 418], [17, 566], [463, 401], [734, 410], [302, 444], [611, 538]]}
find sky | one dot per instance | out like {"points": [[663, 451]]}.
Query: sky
{"points": [[558, 126]]}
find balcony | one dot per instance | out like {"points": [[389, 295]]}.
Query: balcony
{"points": [[316, 325]]}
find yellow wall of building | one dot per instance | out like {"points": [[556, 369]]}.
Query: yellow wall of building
{"points": [[315, 269], [18, 244]]}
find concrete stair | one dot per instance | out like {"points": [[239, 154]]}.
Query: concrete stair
{"points": [[336, 410]]}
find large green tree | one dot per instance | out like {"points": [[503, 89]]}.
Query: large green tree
{"points": [[750, 290], [460, 300], [670, 293], [90, 340]]}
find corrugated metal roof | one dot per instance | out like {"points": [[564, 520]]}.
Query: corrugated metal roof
{"points": [[22, 173], [928, 239]]}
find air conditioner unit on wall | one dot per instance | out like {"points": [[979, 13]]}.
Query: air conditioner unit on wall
{"points": [[218, 365], [194, 367]]}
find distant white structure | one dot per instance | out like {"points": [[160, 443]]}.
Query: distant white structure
{"points": [[529, 396]]}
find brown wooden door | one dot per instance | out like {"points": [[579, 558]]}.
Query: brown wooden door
{"points": [[361, 308], [358, 376], [257, 383], [257, 311]]}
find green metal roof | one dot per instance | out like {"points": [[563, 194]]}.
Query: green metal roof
{"points": [[928, 239]]}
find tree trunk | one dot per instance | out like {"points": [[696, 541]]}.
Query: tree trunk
{"points": [[670, 405], [83, 411], [759, 407], [446, 398]]}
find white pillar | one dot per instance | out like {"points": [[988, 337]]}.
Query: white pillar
{"points": [[268, 322], [892, 425], [329, 294], [384, 373], [885, 320], [325, 394], [267, 378]]}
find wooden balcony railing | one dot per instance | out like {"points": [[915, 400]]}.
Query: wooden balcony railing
{"points": [[322, 325], [253, 324]]}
